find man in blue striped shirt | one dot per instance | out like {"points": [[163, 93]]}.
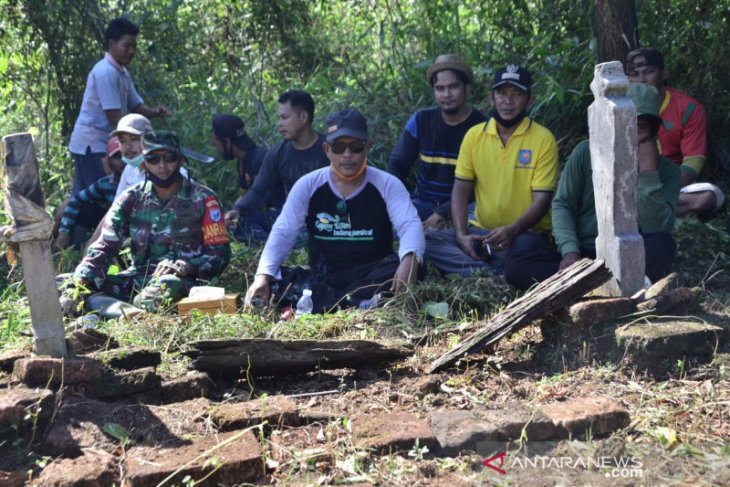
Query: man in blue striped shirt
{"points": [[82, 212], [433, 137]]}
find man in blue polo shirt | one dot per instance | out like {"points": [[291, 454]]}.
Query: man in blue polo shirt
{"points": [[433, 137], [109, 95]]}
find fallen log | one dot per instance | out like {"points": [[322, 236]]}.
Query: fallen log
{"points": [[267, 357], [547, 297]]}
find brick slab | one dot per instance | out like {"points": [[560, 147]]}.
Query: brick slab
{"points": [[9, 357], [87, 341], [241, 461], [121, 384], [655, 347], [129, 358], [189, 386], [92, 470], [391, 432], [55, 371], [16, 402], [277, 410], [670, 338], [577, 416], [514, 418], [458, 430]]}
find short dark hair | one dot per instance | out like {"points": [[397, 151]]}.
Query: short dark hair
{"points": [[654, 124], [301, 100], [651, 55], [459, 75], [118, 28]]}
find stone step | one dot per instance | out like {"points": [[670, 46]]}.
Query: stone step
{"points": [[53, 372], [391, 432], [483, 429], [129, 358], [9, 357], [79, 425], [190, 386], [240, 461], [89, 470], [18, 402], [656, 347], [276, 410], [123, 384]]}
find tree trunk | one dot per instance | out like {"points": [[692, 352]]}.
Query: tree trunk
{"points": [[616, 29]]}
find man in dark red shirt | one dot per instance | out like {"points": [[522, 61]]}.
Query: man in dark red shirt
{"points": [[683, 136]]}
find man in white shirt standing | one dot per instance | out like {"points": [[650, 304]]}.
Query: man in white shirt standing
{"points": [[109, 95]]}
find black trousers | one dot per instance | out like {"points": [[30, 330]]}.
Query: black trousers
{"points": [[525, 269], [331, 289]]}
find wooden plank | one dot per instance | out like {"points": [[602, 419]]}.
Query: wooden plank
{"points": [[267, 357], [547, 297], [229, 304], [25, 203]]}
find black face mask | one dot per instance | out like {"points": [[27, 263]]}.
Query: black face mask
{"points": [[508, 123], [228, 151], [164, 183]]}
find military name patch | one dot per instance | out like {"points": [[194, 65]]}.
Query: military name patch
{"points": [[525, 157], [214, 229]]}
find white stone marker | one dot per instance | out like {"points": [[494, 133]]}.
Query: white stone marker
{"points": [[613, 141]]}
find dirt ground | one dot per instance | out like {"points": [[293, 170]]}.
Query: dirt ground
{"points": [[677, 435]]}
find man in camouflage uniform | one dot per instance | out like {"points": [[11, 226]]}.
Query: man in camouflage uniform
{"points": [[177, 231]]}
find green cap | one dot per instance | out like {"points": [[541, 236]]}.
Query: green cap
{"points": [[646, 100], [159, 139]]}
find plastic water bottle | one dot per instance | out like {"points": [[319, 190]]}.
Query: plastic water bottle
{"points": [[305, 304]]}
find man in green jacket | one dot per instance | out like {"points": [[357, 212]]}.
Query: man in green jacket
{"points": [[575, 226]]}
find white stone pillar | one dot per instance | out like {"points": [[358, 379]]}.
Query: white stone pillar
{"points": [[613, 141]]}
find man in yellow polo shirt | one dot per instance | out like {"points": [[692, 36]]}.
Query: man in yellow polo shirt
{"points": [[511, 164]]}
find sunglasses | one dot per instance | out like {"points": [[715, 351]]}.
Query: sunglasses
{"points": [[168, 156], [116, 155], [356, 147]]}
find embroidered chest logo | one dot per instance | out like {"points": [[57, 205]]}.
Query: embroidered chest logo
{"points": [[339, 228], [525, 157], [214, 230]]}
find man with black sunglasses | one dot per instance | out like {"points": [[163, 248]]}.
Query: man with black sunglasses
{"points": [[350, 210], [178, 235]]}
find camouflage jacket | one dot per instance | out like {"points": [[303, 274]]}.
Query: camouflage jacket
{"points": [[189, 226]]}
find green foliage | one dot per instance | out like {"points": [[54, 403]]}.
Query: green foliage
{"points": [[207, 56]]}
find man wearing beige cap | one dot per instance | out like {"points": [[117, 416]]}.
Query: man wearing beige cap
{"points": [[129, 132], [433, 137]]}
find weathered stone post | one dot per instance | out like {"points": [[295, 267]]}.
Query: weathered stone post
{"points": [[31, 230], [613, 139]]}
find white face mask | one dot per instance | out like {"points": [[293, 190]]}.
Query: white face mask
{"points": [[134, 162]]}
